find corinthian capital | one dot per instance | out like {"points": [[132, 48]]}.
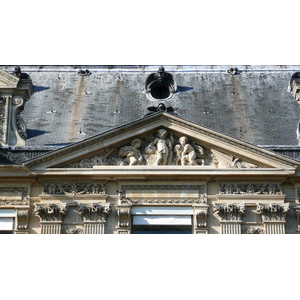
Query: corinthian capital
{"points": [[273, 211], [51, 212], [229, 212], [94, 212]]}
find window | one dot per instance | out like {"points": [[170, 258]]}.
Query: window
{"points": [[161, 220], [7, 217]]}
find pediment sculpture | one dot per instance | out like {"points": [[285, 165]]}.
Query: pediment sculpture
{"points": [[161, 149]]}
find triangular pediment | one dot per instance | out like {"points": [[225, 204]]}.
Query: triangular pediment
{"points": [[7, 80], [162, 140]]}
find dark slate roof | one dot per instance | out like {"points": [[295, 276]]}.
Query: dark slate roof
{"points": [[253, 106]]}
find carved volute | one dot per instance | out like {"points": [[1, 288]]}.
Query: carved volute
{"points": [[15, 91]]}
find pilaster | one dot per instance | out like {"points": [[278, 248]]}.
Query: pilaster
{"points": [[51, 216], [94, 217]]}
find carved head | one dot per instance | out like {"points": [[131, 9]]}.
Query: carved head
{"points": [[136, 143], [162, 133], [183, 140]]}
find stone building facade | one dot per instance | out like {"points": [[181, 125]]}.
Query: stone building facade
{"points": [[129, 150]]}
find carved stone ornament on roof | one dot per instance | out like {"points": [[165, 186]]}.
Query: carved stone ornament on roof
{"points": [[273, 211], [251, 188], [94, 212], [229, 212], [163, 148], [73, 188], [160, 85], [51, 212]]}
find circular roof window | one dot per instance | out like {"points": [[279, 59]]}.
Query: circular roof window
{"points": [[160, 85]]}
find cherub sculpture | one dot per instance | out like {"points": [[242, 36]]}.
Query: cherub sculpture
{"points": [[188, 154], [160, 147], [131, 154]]}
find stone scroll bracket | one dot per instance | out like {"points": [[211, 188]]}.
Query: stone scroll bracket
{"points": [[200, 215], [23, 216], [124, 219], [230, 217], [51, 217], [273, 217], [94, 217]]}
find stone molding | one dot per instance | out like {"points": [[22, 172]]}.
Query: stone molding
{"points": [[202, 198], [9, 80], [250, 188], [73, 188]]}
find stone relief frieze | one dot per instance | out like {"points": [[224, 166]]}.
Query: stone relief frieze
{"points": [[51, 212], [253, 230], [94, 212], [250, 188], [73, 230], [14, 190], [229, 212], [73, 188], [163, 148], [202, 196], [273, 211]]}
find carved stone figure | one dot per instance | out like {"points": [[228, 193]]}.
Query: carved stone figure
{"points": [[222, 160], [161, 148], [188, 155], [132, 156]]}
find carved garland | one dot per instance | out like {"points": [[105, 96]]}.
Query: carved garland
{"points": [[250, 188], [201, 188], [23, 190], [73, 189]]}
